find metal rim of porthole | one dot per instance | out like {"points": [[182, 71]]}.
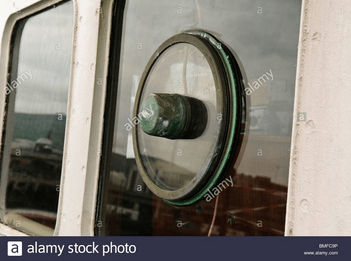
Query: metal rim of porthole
{"points": [[226, 77]]}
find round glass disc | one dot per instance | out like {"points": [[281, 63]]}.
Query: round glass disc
{"points": [[174, 164], [182, 109]]}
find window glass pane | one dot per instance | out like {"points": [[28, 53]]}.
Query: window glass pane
{"points": [[37, 110], [264, 38]]}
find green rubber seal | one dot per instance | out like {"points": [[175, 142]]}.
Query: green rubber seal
{"points": [[225, 71], [235, 121]]}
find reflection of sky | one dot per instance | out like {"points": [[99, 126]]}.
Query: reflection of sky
{"points": [[45, 52], [264, 35]]}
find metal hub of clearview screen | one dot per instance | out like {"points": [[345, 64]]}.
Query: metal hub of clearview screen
{"points": [[189, 101]]}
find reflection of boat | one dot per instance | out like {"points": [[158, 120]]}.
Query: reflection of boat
{"points": [[43, 145], [34, 174], [22, 145], [36, 159]]}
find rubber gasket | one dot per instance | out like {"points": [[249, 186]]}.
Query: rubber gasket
{"points": [[224, 75]]}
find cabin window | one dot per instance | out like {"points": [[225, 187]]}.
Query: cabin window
{"points": [[36, 113], [251, 194]]}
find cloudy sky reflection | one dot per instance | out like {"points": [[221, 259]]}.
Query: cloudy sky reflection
{"points": [[45, 51]]}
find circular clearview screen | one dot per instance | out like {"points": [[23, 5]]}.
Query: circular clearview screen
{"points": [[185, 109], [174, 164]]}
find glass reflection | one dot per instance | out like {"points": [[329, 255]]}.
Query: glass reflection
{"points": [[265, 40], [38, 95]]}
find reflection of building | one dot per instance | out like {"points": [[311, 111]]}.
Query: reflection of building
{"points": [[271, 106]]}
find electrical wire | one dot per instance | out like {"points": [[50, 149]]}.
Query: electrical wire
{"points": [[214, 217]]}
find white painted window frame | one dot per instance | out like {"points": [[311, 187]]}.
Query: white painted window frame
{"points": [[319, 192], [319, 203], [86, 105]]}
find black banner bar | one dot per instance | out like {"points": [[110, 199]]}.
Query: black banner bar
{"points": [[175, 248]]}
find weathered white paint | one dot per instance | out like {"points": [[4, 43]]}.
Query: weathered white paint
{"points": [[319, 196], [84, 126], [83, 139]]}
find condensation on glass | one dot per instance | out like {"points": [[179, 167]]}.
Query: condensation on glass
{"points": [[37, 95], [264, 39]]}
